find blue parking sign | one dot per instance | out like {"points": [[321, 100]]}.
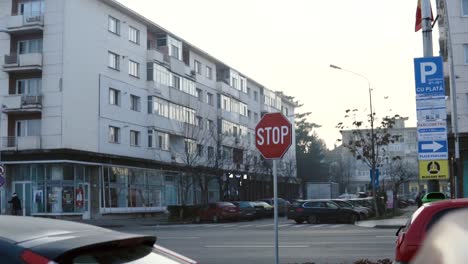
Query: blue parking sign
{"points": [[429, 76]]}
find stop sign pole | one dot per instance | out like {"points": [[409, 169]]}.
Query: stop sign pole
{"points": [[273, 137]]}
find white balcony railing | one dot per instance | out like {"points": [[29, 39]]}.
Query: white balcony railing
{"points": [[21, 143], [25, 22], [29, 60]]}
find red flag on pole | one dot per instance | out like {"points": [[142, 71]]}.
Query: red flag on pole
{"points": [[418, 25]]}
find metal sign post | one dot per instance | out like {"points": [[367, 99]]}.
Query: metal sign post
{"points": [[275, 198]]}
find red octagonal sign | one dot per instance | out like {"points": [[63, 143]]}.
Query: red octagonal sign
{"points": [[273, 135]]}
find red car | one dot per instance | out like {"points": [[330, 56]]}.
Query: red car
{"points": [[411, 236], [218, 211]]}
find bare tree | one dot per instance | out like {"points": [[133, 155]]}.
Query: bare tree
{"points": [[398, 173]]}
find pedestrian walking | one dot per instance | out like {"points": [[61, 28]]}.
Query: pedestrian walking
{"points": [[15, 205]]}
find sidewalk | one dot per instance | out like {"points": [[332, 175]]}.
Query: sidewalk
{"points": [[395, 222], [130, 221]]}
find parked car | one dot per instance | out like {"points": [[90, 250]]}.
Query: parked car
{"points": [[320, 211], [411, 236], [433, 196], [218, 211], [363, 203], [33, 240], [364, 212], [247, 209], [263, 209], [445, 243], [282, 205]]}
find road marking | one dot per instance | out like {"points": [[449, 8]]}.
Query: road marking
{"points": [[316, 226], [245, 225], [227, 225], [334, 226], [256, 246], [285, 225], [183, 238], [211, 225], [264, 225], [298, 226], [386, 237]]}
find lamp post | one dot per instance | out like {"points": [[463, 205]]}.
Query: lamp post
{"points": [[373, 159]]}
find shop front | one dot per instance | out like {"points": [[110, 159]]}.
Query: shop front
{"points": [[50, 189]]}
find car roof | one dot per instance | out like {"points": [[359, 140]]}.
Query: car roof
{"points": [[446, 203], [52, 238]]}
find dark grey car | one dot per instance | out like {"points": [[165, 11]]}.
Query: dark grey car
{"points": [[34, 240]]}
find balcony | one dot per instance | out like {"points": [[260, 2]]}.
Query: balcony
{"points": [[21, 143], [156, 55], [25, 24], [227, 89], [30, 62], [22, 103]]}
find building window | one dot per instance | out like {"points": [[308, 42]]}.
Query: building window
{"points": [[209, 124], [135, 103], [256, 117], [175, 48], [114, 61], [190, 146], [176, 82], [114, 134], [234, 82], [114, 25], [134, 138], [31, 8], [134, 68], [209, 98], [210, 152], [29, 86], [29, 46], [114, 96], [199, 121], [162, 140], [466, 51], [133, 35], [199, 93], [28, 128], [200, 150], [150, 138], [255, 95], [464, 7], [198, 67], [209, 72]]}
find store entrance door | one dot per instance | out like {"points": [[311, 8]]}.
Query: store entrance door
{"points": [[23, 190]]}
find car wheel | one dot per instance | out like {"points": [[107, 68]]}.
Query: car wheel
{"points": [[299, 221], [215, 219], [362, 217], [312, 219], [352, 218], [197, 220]]}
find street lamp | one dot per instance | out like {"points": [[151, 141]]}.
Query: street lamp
{"points": [[373, 160]]}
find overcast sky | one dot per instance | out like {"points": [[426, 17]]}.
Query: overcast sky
{"points": [[289, 45]]}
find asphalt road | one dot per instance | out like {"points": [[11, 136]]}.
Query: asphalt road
{"points": [[253, 242]]}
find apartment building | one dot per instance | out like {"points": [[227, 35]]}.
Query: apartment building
{"points": [[105, 112], [453, 42], [357, 174]]}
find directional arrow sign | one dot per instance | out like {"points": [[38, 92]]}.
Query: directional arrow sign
{"points": [[433, 147]]}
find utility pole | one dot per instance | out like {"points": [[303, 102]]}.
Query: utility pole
{"points": [[426, 15]]}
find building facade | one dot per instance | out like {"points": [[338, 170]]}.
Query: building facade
{"points": [[357, 175], [453, 42], [106, 112]]}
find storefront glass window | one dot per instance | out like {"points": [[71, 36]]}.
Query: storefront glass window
{"points": [[137, 189]]}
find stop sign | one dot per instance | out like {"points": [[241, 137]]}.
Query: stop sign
{"points": [[273, 135]]}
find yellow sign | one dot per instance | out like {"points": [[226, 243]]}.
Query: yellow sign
{"points": [[433, 170]]}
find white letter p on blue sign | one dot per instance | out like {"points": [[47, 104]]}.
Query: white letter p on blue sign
{"points": [[427, 69]]}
